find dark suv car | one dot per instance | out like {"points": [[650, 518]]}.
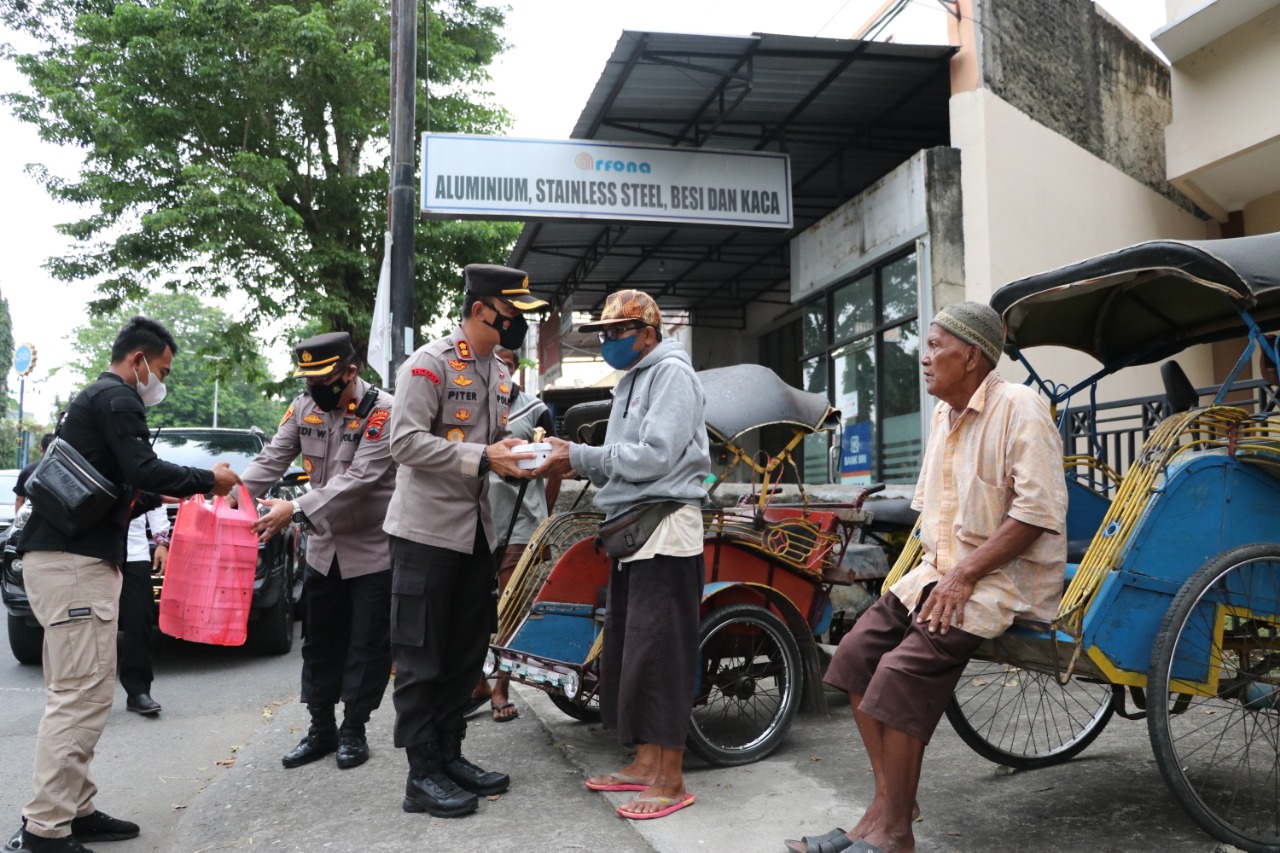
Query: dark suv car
{"points": [[277, 585]]}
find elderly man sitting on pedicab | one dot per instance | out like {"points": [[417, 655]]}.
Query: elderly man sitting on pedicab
{"points": [[991, 486]]}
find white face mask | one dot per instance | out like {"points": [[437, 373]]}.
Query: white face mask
{"points": [[153, 392]]}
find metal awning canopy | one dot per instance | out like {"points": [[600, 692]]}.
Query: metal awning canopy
{"points": [[847, 112]]}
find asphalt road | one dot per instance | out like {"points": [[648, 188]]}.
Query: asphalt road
{"points": [[149, 770]]}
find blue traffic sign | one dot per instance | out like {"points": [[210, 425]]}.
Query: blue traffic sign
{"points": [[23, 358]]}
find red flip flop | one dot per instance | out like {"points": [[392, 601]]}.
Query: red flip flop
{"points": [[672, 804], [624, 783]]}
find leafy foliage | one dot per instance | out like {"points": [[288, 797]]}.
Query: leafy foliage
{"points": [[240, 145], [203, 355]]}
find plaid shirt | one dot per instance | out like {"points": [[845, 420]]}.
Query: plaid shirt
{"points": [[1002, 459]]}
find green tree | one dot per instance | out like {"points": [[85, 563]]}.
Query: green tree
{"points": [[241, 145], [9, 435], [203, 354]]}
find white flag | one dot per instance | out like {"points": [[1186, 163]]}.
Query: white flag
{"points": [[380, 328]]}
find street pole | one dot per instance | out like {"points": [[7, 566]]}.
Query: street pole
{"points": [[216, 359], [401, 201], [22, 389]]}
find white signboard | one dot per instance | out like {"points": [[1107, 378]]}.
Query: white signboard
{"points": [[493, 177]]}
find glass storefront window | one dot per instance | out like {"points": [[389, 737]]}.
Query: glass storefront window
{"points": [[869, 366], [815, 328], [854, 308]]}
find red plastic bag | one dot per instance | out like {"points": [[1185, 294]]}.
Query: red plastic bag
{"points": [[208, 582]]}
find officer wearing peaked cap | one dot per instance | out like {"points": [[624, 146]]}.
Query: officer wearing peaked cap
{"points": [[340, 425], [448, 431]]}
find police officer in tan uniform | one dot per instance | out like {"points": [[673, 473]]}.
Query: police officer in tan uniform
{"points": [[340, 425], [449, 430]]}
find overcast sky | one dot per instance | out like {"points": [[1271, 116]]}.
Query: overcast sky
{"points": [[558, 49]]}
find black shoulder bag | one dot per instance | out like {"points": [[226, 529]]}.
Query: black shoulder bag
{"points": [[625, 534], [68, 492]]}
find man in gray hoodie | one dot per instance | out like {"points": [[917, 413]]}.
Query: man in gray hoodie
{"points": [[654, 456]]}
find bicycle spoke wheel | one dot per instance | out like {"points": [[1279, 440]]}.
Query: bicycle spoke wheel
{"points": [[1217, 660], [750, 679], [1026, 719]]}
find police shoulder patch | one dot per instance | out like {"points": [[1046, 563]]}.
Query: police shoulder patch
{"points": [[422, 371], [377, 424], [288, 413]]}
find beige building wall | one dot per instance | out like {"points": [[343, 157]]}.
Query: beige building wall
{"points": [[1223, 145], [1034, 201]]}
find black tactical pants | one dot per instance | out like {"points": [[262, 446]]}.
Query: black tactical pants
{"points": [[347, 651], [442, 613], [137, 615]]}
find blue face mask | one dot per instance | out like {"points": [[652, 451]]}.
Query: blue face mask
{"points": [[618, 353]]}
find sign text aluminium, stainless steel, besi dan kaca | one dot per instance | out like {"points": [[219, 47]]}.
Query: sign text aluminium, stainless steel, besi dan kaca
{"points": [[492, 177]]}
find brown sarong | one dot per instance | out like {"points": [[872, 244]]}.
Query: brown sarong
{"points": [[905, 675], [649, 664]]}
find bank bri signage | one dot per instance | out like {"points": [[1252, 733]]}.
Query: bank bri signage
{"points": [[495, 177]]}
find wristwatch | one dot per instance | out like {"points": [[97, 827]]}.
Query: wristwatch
{"points": [[484, 462], [299, 517]]}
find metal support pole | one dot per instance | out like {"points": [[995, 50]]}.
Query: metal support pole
{"points": [[402, 201], [22, 389], [215, 402]]}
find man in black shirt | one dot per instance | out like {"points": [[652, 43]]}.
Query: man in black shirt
{"points": [[73, 584]]}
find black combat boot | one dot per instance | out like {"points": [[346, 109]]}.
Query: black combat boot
{"points": [[468, 776], [353, 748], [321, 739], [429, 790]]}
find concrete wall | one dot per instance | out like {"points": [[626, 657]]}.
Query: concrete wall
{"points": [[1262, 215], [918, 201], [1069, 67], [1225, 134], [1034, 200]]}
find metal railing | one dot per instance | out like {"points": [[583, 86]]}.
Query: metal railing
{"points": [[1115, 432]]}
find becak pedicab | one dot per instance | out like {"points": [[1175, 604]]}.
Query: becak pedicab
{"points": [[1172, 597], [766, 598]]}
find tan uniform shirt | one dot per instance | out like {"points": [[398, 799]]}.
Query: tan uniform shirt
{"points": [[352, 477], [1003, 458], [450, 407]]}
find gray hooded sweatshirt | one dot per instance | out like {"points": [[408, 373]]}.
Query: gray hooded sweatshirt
{"points": [[656, 445]]}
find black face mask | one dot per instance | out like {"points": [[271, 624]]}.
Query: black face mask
{"points": [[328, 396], [511, 330]]}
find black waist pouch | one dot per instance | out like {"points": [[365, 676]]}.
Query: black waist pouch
{"points": [[68, 492], [623, 535]]}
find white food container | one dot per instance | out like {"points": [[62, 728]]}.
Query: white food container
{"points": [[542, 449]]}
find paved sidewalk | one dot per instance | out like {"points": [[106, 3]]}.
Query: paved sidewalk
{"points": [[1111, 798]]}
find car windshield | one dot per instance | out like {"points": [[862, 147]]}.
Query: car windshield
{"points": [[201, 449]]}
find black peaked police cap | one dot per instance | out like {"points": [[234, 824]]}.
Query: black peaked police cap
{"points": [[509, 285], [321, 355]]}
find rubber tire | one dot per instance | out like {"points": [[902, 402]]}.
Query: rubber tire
{"points": [[1163, 728], [1086, 705], [728, 755], [26, 642], [272, 632], [582, 713]]}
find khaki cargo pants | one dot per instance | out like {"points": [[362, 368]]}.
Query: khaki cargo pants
{"points": [[75, 599]]}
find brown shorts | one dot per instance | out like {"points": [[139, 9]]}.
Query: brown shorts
{"points": [[904, 674]]}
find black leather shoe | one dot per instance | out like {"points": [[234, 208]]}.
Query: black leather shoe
{"points": [[437, 795], [475, 779], [103, 827], [25, 842], [142, 704], [316, 745], [353, 750]]}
